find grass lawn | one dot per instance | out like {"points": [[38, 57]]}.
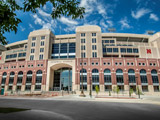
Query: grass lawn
{"points": [[10, 110]]}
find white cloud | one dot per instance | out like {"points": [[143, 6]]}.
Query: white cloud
{"points": [[31, 26], [67, 21], [124, 23], [22, 28], [103, 25], [139, 13], [41, 12], [110, 23], [154, 17], [45, 23]]}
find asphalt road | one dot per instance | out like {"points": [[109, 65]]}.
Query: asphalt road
{"points": [[78, 110]]}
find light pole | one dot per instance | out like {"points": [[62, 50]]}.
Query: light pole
{"points": [[137, 88], [62, 85], [90, 86], [82, 92]]}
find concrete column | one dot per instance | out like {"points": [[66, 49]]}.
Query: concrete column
{"points": [[150, 88], [102, 89]]}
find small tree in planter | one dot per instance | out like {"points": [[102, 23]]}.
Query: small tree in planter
{"points": [[97, 89], [114, 89], [109, 93], [130, 92], [117, 90]]}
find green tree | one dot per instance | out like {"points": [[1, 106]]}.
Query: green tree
{"points": [[97, 89], [131, 92], [9, 20], [117, 90]]}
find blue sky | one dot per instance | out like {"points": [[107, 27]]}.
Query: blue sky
{"points": [[127, 16]]}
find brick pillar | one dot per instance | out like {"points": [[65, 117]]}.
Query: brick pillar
{"points": [[15, 79], [33, 78], [44, 75], [125, 77], [100, 77], [0, 79], [7, 78], [149, 78], [24, 78], [113, 77]]}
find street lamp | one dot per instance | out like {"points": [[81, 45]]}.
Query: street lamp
{"points": [[137, 88], [90, 86]]}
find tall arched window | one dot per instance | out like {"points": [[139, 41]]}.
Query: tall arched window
{"points": [[144, 80], [11, 80], [38, 80], [19, 80], [107, 80], [83, 75], [29, 80], [131, 76], [119, 76], [95, 78], [4, 76], [20, 77], [143, 76], [155, 80], [154, 76]]}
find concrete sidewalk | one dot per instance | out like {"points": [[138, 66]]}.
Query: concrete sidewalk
{"points": [[125, 99]]}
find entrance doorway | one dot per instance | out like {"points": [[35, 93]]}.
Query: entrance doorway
{"points": [[62, 79]]}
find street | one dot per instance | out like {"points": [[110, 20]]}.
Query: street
{"points": [[78, 110]]}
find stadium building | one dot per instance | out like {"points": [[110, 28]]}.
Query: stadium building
{"points": [[47, 62]]}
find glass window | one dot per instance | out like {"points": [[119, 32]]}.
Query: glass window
{"points": [[119, 76], [94, 54], [143, 76], [115, 49], [107, 76], [111, 41], [55, 48], [4, 76], [82, 34], [40, 57], [135, 50], [32, 57], [106, 41], [131, 76], [93, 34], [129, 50], [33, 44], [21, 54], [83, 55], [41, 49], [63, 48], [93, 40], [154, 76], [83, 47], [83, 75], [32, 50], [42, 43], [123, 50], [94, 47], [109, 49], [95, 76], [72, 47], [42, 37], [83, 41], [11, 78], [33, 38]]}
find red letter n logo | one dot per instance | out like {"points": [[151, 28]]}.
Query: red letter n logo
{"points": [[148, 51]]}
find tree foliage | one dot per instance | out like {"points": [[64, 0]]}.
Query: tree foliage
{"points": [[9, 20]]}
